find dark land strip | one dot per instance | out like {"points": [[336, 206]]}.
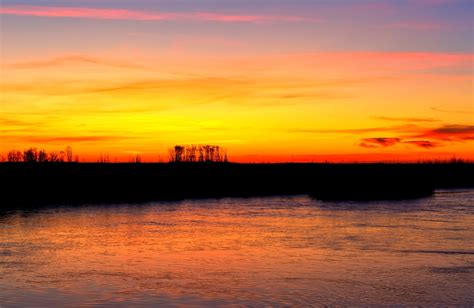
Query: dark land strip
{"points": [[36, 184]]}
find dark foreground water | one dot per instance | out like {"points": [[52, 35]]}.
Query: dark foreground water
{"points": [[260, 251]]}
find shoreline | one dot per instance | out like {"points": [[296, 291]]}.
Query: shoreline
{"points": [[33, 185]]}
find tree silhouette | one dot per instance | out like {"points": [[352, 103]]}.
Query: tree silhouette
{"points": [[42, 156], [135, 159], [61, 156], [53, 157], [14, 156], [179, 153], [104, 158], [69, 156], [197, 153], [30, 155]]}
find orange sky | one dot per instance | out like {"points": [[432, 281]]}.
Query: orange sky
{"points": [[294, 103]]}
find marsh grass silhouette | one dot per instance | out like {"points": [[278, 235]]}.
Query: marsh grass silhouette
{"points": [[25, 184]]}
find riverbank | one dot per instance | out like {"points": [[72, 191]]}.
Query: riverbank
{"points": [[26, 184]]}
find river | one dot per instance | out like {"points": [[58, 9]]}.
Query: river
{"points": [[255, 251]]}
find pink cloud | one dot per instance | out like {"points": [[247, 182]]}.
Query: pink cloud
{"points": [[124, 14], [370, 62]]}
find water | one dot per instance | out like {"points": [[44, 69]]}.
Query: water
{"points": [[258, 251]]}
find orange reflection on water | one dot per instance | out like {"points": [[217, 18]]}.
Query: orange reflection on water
{"points": [[245, 251]]}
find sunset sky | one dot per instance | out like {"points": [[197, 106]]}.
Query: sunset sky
{"points": [[270, 80]]}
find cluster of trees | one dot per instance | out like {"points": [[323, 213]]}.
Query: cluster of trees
{"points": [[179, 153], [197, 153], [33, 155], [137, 158]]}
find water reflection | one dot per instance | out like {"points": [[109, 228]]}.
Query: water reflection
{"points": [[284, 250]]}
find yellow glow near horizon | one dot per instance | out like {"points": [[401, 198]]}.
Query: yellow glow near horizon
{"points": [[271, 106]]}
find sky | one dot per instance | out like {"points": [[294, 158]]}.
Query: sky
{"points": [[270, 80]]}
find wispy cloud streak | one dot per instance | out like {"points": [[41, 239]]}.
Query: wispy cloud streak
{"points": [[403, 119], [125, 14], [71, 59], [398, 128], [64, 139]]}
